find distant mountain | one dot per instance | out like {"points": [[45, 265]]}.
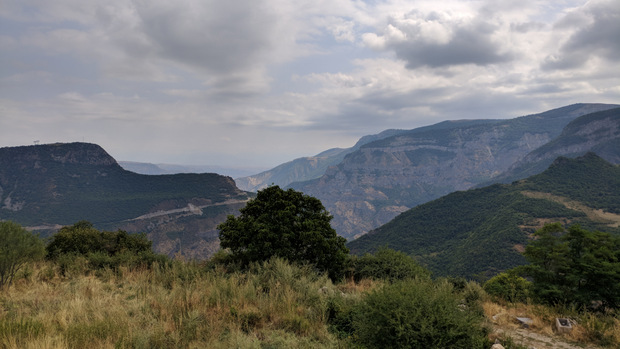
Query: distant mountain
{"points": [[483, 231], [159, 169], [306, 168], [48, 186], [383, 178], [596, 132]]}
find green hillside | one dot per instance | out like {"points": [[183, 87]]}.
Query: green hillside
{"points": [[482, 231]]}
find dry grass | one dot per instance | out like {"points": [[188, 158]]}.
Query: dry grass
{"points": [[588, 328], [275, 305], [278, 305]]}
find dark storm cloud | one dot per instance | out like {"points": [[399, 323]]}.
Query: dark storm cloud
{"points": [[467, 46], [597, 37]]}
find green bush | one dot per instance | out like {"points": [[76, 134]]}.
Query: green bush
{"points": [[101, 249], [418, 314], [17, 248], [83, 238], [386, 264], [508, 286]]}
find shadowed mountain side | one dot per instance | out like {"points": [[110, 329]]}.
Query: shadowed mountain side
{"points": [[383, 178], [47, 186], [480, 232]]}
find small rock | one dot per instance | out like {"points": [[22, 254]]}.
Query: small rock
{"points": [[525, 321], [497, 346]]}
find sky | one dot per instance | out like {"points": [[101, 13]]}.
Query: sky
{"points": [[255, 83]]}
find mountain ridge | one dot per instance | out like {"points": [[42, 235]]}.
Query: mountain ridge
{"points": [[46, 186], [388, 176]]}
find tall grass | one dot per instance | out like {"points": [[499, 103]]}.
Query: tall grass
{"points": [[274, 305]]}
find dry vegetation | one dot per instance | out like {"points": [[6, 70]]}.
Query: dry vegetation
{"points": [[588, 330], [278, 306], [188, 305]]}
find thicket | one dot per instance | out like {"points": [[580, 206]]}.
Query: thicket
{"points": [[509, 286], [81, 243], [418, 314]]}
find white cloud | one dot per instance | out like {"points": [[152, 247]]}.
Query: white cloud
{"points": [[278, 79]]}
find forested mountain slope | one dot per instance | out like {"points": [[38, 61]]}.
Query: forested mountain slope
{"points": [[482, 231], [47, 186]]}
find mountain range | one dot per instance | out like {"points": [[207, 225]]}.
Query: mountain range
{"points": [[159, 169], [385, 177], [364, 187]]}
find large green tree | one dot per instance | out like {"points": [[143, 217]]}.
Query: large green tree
{"points": [[17, 247], [287, 224], [574, 266]]}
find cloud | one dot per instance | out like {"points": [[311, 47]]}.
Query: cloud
{"points": [[250, 81], [592, 33], [440, 39]]}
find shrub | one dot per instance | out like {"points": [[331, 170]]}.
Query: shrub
{"points": [[83, 238], [417, 314], [17, 247], [508, 286], [386, 264], [102, 249]]}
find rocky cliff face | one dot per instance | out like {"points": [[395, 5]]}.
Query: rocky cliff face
{"points": [[306, 168], [597, 132], [384, 178]]}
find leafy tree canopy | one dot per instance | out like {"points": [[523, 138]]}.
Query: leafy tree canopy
{"points": [[574, 266], [286, 224]]}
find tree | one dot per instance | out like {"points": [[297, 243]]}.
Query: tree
{"points": [[17, 247], [102, 249], [286, 224], [575, 266]]}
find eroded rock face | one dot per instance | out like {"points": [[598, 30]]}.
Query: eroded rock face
{"points": [[374, 184]]}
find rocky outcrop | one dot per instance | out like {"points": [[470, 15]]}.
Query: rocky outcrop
{"points": [[596, 132]]}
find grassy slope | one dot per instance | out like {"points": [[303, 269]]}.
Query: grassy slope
{"points": [[276, 306]]}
